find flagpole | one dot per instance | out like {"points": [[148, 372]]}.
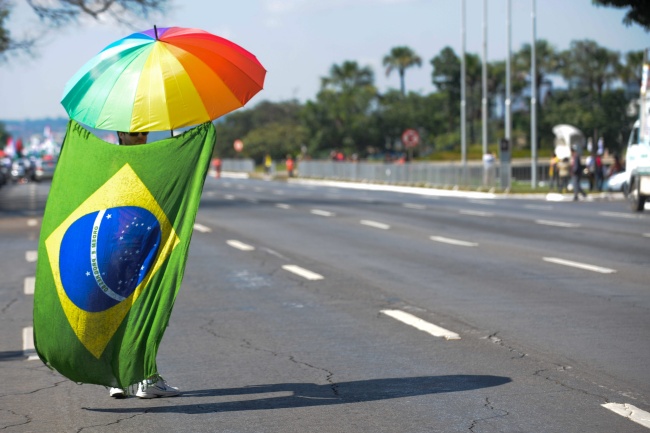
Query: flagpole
{"points": [[533, 101], [463, 138], [484, 112]]}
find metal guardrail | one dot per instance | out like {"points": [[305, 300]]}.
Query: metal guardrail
{"points": [[238, 165], [472, 175]]}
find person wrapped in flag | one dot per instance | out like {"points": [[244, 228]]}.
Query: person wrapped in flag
{"points": [[118, 221], [112, 253]]}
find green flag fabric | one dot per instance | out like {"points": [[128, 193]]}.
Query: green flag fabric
{"points": [[112, 252]]}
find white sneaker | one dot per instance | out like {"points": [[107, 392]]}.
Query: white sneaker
{"points": [[117, 393], [156, 387]]}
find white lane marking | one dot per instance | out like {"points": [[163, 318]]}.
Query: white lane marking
{"points": [[557, 223], [28, 344], [646, 235], [538, 207], [375, 224], [476, 213], [322, 212], [258, 189], [229, 197], [32, 222], [31, 256], [240, 245], [422, 325], [414, 206], [252, 200], [453, 241], [489, 203], [283, 206], [309, 275], [202, 228], [619, 215], [28, 285], [630, 412], [579, 265], [278, 192]]}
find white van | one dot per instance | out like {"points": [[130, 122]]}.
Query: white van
{"points": [[637, 167]]}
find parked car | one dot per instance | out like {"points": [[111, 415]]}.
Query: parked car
{"points": [[616, 183], [44, 169]]}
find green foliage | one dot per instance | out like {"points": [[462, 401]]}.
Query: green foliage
{"points": [[639, 11], [349, 115]]}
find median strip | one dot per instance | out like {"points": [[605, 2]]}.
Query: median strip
{"points": [[422, 325]]}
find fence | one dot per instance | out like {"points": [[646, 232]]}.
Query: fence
{"points": [[472, 175]]}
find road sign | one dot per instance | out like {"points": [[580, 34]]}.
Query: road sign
{"points": [[238, 145], [410, 138]]}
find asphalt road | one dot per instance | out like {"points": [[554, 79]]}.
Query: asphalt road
{"points": [[290, 317]]}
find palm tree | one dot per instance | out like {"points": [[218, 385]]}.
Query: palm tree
{"points": [[401, 58], [348, 76]]}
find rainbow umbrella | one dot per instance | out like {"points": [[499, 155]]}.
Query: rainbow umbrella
{"points": [[162, 79]]}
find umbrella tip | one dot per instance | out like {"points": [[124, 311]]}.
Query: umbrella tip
{"points": [[155, 30]]}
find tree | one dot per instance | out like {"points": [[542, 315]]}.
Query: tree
{"points": [[400, 59], [639, 11], [588, 65], [56, 13]]}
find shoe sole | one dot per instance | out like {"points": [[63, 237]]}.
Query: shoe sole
{"points": [[148, 396]]}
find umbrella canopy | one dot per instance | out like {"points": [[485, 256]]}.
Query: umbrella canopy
{"points": [[162, 79]]}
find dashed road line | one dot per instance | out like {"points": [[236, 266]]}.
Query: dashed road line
{"points": [[646, 235], [476, 213], [229, 197], [28, 285], [557, 223], [375, 224], [283, 206], [579, 265], [619, 215], [422, 325], [32, 222], [202, 228], [240, 245], [31, 256], [484, 202], [322, 212], [309, 275], [630, 412], [28, 344], [538, 207], [414, 206], [453, 241]]}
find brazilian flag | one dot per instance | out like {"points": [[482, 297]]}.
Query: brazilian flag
{"points": [[112, 252]]}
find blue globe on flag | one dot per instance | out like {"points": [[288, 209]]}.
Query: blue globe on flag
{"points": [[104, 255]]}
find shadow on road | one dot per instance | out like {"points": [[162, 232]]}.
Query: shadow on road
{"points": [[309, 394]]}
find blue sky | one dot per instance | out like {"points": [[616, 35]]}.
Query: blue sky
{"points": [[299, 40]]}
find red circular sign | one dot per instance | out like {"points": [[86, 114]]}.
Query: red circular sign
{"points": [[410, 138], [238, 145]]}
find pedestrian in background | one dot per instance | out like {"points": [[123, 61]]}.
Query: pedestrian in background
{"points": [[576, 171]]}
